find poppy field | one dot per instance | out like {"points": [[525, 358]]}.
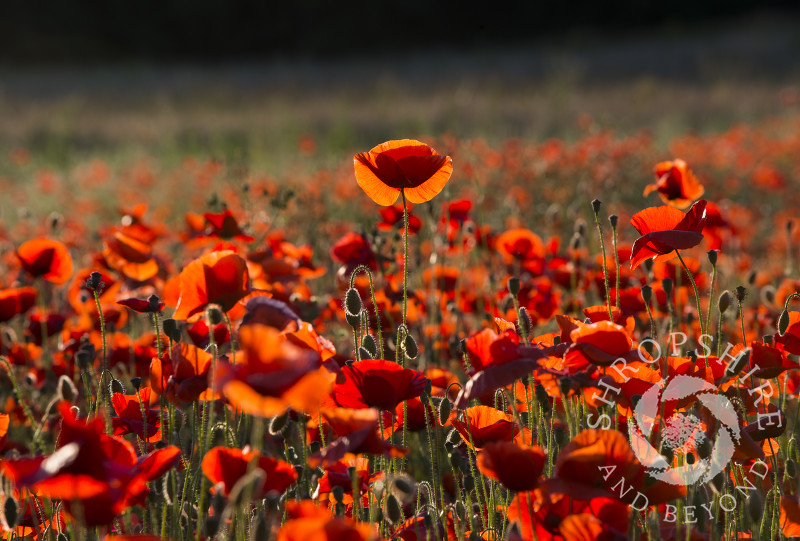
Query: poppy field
{"points": [[435, 339]]}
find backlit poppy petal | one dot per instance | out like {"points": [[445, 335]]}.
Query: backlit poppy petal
{"points": [[46, 258]]}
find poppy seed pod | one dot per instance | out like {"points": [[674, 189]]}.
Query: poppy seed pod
{"points": [[354, 320], [741, 293], [513, 286], [352, 301], [95, 281], [154, 302], [647, 294], [724, 301], [410, 346], [394, 513], [666, 283], [596, 204], [783, 322], [712, 257], [613, 220], [136, 382], [172, 329]]}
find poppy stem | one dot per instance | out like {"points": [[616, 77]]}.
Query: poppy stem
{"points": [[596, 208], [696, 295], [405, 255], [374, 303]]}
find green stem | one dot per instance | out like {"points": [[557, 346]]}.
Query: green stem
{"points": [[366, 270], [696, 293], [405, 255], [605, 265]]}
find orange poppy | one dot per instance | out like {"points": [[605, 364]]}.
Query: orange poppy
{"points": [[666, 229], [46, 258], [129, 419], [357, 433], [377, 383], [483, 425], [214, 278], [407, 165], [307, 522], [130, 257], [676, 184], [182, 374]]}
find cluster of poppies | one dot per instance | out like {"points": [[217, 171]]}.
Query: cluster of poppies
{"points": [[448, 380]]}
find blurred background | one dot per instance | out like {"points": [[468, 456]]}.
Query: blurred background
{"points": [[251, 82]]}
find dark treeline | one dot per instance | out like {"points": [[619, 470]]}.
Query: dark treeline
{"points": [[215, 30]]}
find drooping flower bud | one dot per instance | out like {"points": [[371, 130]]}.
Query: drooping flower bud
{"points": [[352, 301], [724, 301], [513, 285]]}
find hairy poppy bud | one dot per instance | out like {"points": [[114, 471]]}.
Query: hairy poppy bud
{"points": [[66, 389], [394, 513], [712, 257], [513, 285], [469, 483], [445, 407], [741, 293], [368, 343], [791, 468], [461, 510], [211, 526], [755, 506], [525, 322], [172, 329], [666, 283], [768, 294], [648, 265], [783, 322], [456, 461], [11, 511], [613, 220], [411, 348], [647, 294], [315, 446], [352, 301], [454, 438], [117, 387], [724, 301], [364, 353], [260, 529], [62, 537], [354, 320], [95, 281], [403, 484], [596, 204], [339, 509], [279, 424], [338, 493], [737, 365], [575, 242], [218, 502], [136, 382]]}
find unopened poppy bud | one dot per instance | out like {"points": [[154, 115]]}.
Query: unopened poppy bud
{"points": [[364, 353], [525, 321], [469, 483], [648, 265], [565, 385], [791, 468], [260, 529], [411, 348], [338, 493], [737, 365], [394, 513], [214, 315], [751, 278], [783, 322], [95, 281], [11, 511], [368, 343], [218, 502], [580, 228], [741, 293], [647, 294], [211, 526], [172, 329], [136, 382], [513, 285], [315, 446], [768, 294], [354, 320], [575, 242], [666, 283], [66, 389], [561, 435], [596, 204], [704, 448], [755, 506], [352, 472], [541, 395], [403, 485], [445, 407], [352, 301], [462, 346], [279, 424], [454, 438], [461, 510], [339, 509], [456, 461], [62, 537], [712, 257], [117, 387], [613, 220], [724, 301]]}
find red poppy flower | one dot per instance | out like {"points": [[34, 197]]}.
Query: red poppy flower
{"points": [[676, 184], [129, 420], [357, 433], [484, 424], [337, 475], [16, 301], [46, 258], [182, 374], [224, 226], [216, 278], [406, 165], [392, 217], [149, 306], [353, 250], [130, 257], [523, 246], [227, 466], [307, 522], [516, 466], [666, 229], [377, 383]]}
